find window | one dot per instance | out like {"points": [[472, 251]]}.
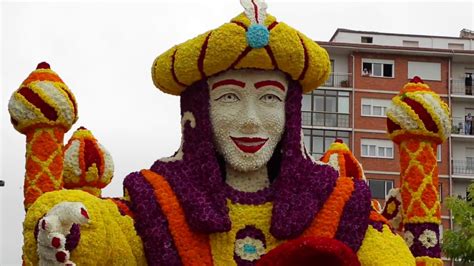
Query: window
{"points": [[438, 153], [469, 160], [441, 233], [327, 108], [456, 46], [440, 192], [425, 70], [330, 80], [317, 141], [461, 189], [469, 164], [411, 43], [377, 68], [380, 188], [377, 148], [468, 194], [306, 104], [366, 39], [374, 107]]}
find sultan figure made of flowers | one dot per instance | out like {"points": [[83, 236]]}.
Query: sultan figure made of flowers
{"points": [[241, 189]]}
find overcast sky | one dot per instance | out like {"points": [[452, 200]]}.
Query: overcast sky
{"points": [[104, 51]]}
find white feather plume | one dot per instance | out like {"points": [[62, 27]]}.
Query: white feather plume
{"points": [[256, 10]]}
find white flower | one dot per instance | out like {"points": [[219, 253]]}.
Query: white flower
{"points": [[428, 238], [334, 161], [249, 249], [409, 238]]}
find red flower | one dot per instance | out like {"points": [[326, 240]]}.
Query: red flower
{"points": [[315, 251]]}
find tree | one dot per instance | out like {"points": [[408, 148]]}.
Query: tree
{"points": [[459, 243]]}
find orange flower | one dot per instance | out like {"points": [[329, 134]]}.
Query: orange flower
{"points": [[413, 145], [193, 248], [377, 217], [122, 207], [327, 220], [44, 163], [417, 210]]}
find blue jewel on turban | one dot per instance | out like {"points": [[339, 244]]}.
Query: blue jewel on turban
{"points": [[257, 36]]}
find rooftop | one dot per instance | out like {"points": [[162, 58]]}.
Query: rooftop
{"points": [[372, 47], [464, 34]]}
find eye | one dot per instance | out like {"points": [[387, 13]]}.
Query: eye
{"points": [[270, 98], [228, 98]]}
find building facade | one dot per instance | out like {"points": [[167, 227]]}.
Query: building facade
{"points": [[368, 69]]}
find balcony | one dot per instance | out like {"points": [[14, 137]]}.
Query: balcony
{"points": [[339, 80], [459, 88], [463, 167], [459, 129], [318, 119]]}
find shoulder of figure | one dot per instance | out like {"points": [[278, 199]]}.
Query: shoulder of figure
{"points": [[382, 246]]}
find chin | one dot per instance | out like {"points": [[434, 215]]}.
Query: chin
{"points": [[246, 166], [248, 162]]}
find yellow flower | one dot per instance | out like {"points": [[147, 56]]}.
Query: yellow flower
{"points": [[391, 207]]}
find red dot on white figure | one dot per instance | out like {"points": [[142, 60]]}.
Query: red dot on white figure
{"points": [[61, 256], [84, 213], [56, 242]]}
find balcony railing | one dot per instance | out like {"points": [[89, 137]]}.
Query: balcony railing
{"points": [[463, 167], [458, 87], [459, 126], [325, 119], [339, 80]]}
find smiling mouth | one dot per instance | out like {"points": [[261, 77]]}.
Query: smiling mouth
{"points": [[249, 145]]}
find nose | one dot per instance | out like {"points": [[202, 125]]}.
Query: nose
{"points": [[250, 120]]}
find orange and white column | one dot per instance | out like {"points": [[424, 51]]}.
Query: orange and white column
{"points": [[43, 109], [418, 121]]}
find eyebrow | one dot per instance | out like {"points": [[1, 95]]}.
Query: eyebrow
{"points": [[269, 83], [228, 82]]}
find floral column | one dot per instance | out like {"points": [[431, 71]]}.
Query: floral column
{"points": [[43, 109], [418, 121]]}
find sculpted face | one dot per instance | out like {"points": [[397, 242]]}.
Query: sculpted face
{"points": [[247, 110]]}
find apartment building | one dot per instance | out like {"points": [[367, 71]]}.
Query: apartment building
{"points": [[368, 69]]}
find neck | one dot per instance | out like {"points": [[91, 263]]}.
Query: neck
{"points": [[251, 181]]}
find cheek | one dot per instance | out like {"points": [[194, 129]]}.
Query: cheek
{"points": [[222, 119], [274, 119]]}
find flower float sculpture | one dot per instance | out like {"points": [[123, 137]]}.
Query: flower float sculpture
{"points": [[241, 189], [418, 121], [88, 166], [43, 109]]}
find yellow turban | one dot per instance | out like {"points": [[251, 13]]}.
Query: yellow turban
{"points": [[239, 44]]}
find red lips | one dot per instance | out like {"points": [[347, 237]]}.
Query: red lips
{"points": [[249, 145]]}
